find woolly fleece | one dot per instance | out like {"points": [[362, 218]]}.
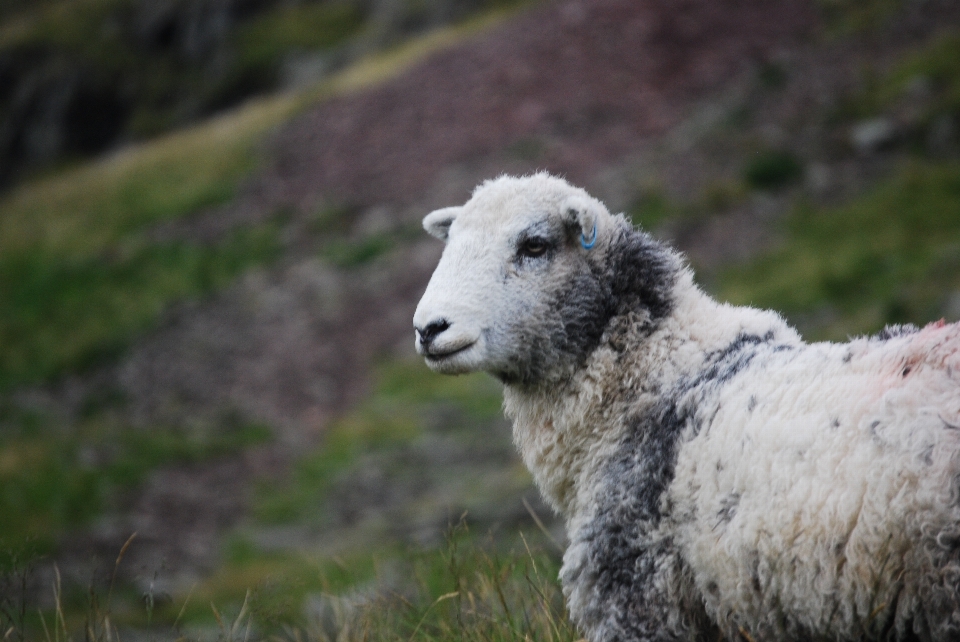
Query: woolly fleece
{"points": [[719, 477]]}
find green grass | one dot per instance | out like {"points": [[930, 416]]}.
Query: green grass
{"points": [[651, 209], [397, 412], [59, 315], [846, 16], [940, 63], [346, 254], [263, 43], [80, 275], [491, 589], [496, 587], [81, 212], [300, 500], [411, 384], [473, 593], [64, 24], [891, 256], [927, 80], [279, 583], [404, 591], [772, 169], [159, 86], [936, 67], [53, 480], [163, 87]]}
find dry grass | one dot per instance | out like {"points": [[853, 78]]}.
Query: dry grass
{"points": [[470, 591]]}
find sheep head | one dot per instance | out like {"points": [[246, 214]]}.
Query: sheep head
{"points": [[527, 281]]}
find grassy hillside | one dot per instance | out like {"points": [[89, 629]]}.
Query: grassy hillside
{"points": [[86, 268], [890, 257], [893, 254], [78, 77], [92, 258], [79, 273], [82, 266]]}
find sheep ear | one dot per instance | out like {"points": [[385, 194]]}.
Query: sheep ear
{"points": [[437, 223], [582, 215]]}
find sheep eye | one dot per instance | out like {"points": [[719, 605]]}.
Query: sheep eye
{"points": [[533, 247]]}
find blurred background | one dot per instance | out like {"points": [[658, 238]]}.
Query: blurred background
{"points": [[213, 424]]}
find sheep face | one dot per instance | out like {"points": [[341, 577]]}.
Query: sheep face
{"points": [[519, 291]]}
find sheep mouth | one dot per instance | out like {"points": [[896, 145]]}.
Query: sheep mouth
{"points": [[455, 356], [452, 351]]}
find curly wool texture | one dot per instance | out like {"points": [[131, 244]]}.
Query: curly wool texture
{"points": [[719, 477]]}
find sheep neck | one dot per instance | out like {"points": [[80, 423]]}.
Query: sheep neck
{"points": [[565, 431]]}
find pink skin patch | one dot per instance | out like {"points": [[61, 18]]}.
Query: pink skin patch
{"points": [[936, 345]]}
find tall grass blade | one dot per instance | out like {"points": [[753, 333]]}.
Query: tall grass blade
{"points": [[442, 598], [116, 566], [183, 609], [43, 622], [539, 523], [238, 622]]}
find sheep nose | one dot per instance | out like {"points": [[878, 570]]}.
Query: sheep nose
{"points": [[429, 332]]}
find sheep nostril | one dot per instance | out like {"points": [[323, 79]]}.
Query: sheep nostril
{"points": [[429, 332]]}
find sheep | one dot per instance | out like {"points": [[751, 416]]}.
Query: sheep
{"points": [[719, 478]]}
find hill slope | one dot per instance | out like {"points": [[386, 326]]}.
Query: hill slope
{"points": [[277, 412]]}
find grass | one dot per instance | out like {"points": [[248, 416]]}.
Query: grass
{"points": [[345, 254], [939, 62], [410, 383], [163, 86], [380, 68], [651, 209], [398, 411], [280, 585], [80, 276], [80, 212], [925, 86], [83, 209], [772, 169], [84, 236], [66, 24], [53, 480], [374, 584], [154, 78], [61, 315], [846, 16], [473, 593], [891, 256], [263, 43], [82, 273], [79, 273], [473, 589]]}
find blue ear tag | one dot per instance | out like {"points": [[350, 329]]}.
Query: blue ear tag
{"points": [[593, 240]]}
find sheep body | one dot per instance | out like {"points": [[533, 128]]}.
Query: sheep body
{"points": [[719, 477]]}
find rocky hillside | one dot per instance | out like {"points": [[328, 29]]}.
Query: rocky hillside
{"points": [[213, 349], [78, 77]]}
